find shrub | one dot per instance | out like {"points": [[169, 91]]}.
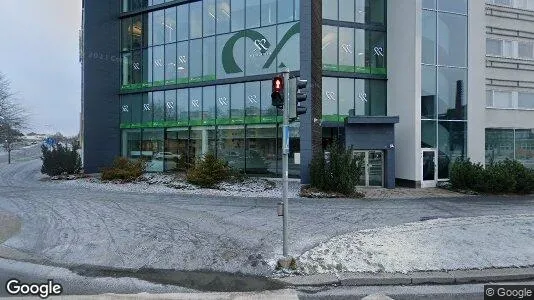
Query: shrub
{"points": [[464, 174], [209, 171], [60, 159], [339, 173], [125, 170]]}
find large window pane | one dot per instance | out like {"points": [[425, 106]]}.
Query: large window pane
{"points": [[261, 149], [126, 111], [126, 68], [330, 99], [430, 4], [290, 49], [147, 110], [285, 10], [208, 105], [378, 99], [456, 6], [137, 32], [428, 41], [231, 146], [170, 64], [346, 49], [170, 107], [158, 65], [195, 60], [524, 147], [152, 149], [361, 50], [452, 40], [147, 67], [131, 143], [346, 10], [176, 145], [499, 145], [126, 34], [257, 52], [182, 107], [268, 112], [182, 62], [238, 14], [137, 72], [223, 104], [330, 48], [223, 16], [208, 59], [429, 132], [494, 47], [268, 12], [195, 19], [361, 93], [209, 17], [170, 25], [158, 27], [252, 102], [377, 14], [361, 8], [253, 13], [183, 22], [158, 104], [377, 45], [452, 137], [452, 96], [428, 92], [525, 100], [195, 106], [137, 109], [502, 99], [346, 97], [330, 9], [237, 103]]}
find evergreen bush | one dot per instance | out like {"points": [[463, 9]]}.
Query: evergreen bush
{"points": [[124, 170], [60, 159], [208, 171]]}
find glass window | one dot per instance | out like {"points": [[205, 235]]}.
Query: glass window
{"points": [[268, 112], [452, 96], [147, 110], [170, 106], [137, 72], [346, 97], [195, 106], [195, 19], [258, 50], [182, 62], [377, 45], [452, 137], [489, 98], [330, 9], [285, 11], [126, 110], [170, 64], [377, 14], [131, 143], [208, 105], [330, 46], [291, 47], [493, 47], [137, 108], [430, 4], [208, 59], [361, 47], [429, 132], [252, 102], [182, 107], [238, 14], [176, 144], [237, 103], [158, 27], [231, 146], [137, 32], [209, 17], [262, 146], [499, 145], [268, 12], [361, 92], [183, 22], [126, 68], [524, 147], [346, 49], [502, 99], [147, 67], [297, 10], [223, 16], [428, 92], [226, 68], [330, 99], [195, 65], [146, 35], [429, 38], [525, 100], [378, 99], [253, 16], [452, 40], [360, 9], [223, 104], [346, 10], [126, 34], [456, 6], [152, 149], [170, 25], [154, 2], [526, 50], [158, 65], [158, 103]]}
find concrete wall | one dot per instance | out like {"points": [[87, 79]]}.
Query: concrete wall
{"points": [[101, 67], [404, 84], [476, 93], [509, 74]]}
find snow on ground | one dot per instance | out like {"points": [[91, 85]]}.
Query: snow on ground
{"points": [[166, 184], [440, 244]]}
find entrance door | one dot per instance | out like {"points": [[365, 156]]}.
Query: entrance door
{"points": [[373, 174], [429, 163]]}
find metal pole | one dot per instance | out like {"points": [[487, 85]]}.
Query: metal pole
{"points": [[285, 159]]}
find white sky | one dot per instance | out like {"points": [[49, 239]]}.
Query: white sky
{"points": [[39, 55]]}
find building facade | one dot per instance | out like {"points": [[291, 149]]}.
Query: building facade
{"points": [[510, 81], [401, 82]]}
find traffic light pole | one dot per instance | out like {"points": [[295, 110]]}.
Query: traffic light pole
{"points": [[285, 160]]}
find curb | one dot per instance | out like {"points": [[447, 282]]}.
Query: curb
{"points": [[415, 278]]}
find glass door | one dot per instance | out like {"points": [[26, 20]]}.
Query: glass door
{"points": [[373, 174], [429, 168]]}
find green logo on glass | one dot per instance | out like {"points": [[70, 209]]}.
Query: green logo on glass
{"points": [[262, 44]]}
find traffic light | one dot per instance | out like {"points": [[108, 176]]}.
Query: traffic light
{"points": [[301, 96], [277, 96]]}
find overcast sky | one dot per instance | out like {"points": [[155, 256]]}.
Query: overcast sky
{"points": [[39, 55]]}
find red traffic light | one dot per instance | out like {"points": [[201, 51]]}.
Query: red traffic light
{"points": [[278, 84]]}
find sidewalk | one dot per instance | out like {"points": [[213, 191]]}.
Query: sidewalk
{"points": [[415, 278], [407, 193]]}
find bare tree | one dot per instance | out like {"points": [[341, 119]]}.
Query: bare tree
{"points": [[12, 116]]}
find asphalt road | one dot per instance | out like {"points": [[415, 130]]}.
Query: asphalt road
{"points": [[70, 226]]}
